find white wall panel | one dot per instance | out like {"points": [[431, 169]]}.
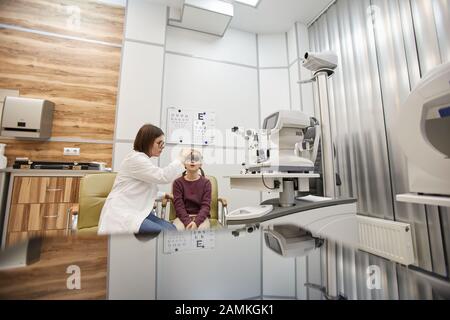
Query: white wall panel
{"points": [[278, 274], [307, 104], [140, 88], [274, 91], [296, 103], [232, 270], [235, 46], [303, 39], [131, 268], [302, 278], [292, 45], [228, 90], [146, 21], [120, 152], [308, 99], [121, 149], [272, 50]]}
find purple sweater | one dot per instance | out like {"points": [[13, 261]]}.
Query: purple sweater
{"points": [[192, 198]]}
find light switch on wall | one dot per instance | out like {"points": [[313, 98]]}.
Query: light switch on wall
{"points": [[71, 151]]}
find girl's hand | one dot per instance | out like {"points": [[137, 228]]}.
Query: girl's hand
{"points": [[191, 226]]}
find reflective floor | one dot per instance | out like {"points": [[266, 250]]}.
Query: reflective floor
{"points": [[239, 263]]}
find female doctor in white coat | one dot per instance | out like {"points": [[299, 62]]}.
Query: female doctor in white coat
{"points": [[128, 208]]}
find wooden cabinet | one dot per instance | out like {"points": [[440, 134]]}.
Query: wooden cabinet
{"points": [[40, 205], [45, 190], [39, 216]]}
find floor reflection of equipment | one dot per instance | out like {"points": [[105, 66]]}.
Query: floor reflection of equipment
{"points": [[22, 254], [290, 241], [423, 131], [188, 240]]}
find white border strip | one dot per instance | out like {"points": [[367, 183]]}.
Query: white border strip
{"points": [[209, 59], [56, 35]]}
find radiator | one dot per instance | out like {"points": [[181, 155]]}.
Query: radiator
{"points": [[385, 238]]}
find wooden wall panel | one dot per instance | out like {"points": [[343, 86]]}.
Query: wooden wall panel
{"points": [[46, 279], [53, 151], [85, 19], [80, 77]]}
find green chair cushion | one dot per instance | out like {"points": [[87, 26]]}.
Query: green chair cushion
{"points": [[94, 189], [215, 224], [86, 231]]}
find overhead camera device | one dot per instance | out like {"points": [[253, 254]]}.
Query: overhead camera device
{"points": [[321, 61]]}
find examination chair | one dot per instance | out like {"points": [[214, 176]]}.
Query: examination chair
{"points": [[215, 220], [94, 189]]}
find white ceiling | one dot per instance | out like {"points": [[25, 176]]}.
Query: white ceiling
{"points": [[271, 16]]}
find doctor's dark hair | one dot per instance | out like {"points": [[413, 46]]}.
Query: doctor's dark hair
{"points": [[145, 138]]}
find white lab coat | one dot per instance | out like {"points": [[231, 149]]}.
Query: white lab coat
{"points": [[134, 193]]}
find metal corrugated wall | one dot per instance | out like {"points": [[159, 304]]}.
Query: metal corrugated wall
{"points": [[384, 47]]}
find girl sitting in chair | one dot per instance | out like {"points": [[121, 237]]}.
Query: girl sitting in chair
{"points": [[192, 196]]}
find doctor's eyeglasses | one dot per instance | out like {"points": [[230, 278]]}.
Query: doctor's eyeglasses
{"points": [[161, 144]]}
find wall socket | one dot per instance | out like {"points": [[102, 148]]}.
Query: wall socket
{"points": [[71, 151]]}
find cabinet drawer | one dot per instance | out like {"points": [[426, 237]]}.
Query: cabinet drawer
{"points": [[45, 190], [18, 237], [35, 217]]}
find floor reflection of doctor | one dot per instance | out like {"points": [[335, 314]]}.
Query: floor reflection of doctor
{"points": [[129, 206]]}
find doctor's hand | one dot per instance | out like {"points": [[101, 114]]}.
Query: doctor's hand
{"points": [[185, 153], [191, 226]]}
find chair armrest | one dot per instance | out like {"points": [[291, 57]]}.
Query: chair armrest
{"points": [[166, 199], [73, 211], [72, 219], [223, 202], [224, 211]]}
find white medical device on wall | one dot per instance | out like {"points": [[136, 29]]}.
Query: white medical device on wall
{"points": [[27, 118], [323, 65], [321, 61], [288, 142], [423, 132], [191, 126]]}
